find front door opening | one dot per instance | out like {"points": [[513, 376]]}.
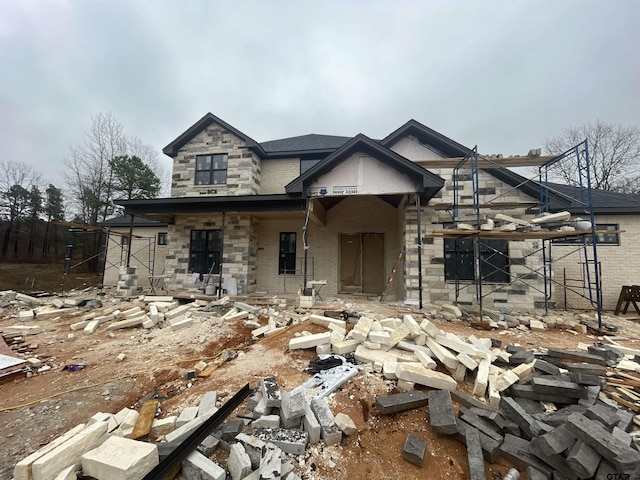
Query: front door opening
{"points": [[362, 263]]}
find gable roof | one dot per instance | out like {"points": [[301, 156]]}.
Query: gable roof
{"points": [[173, 148], [305, 142], [446, 146], [428, 182]]}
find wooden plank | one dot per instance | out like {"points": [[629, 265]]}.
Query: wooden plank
{"points": [[486, 162], [622, 401], [145, 419]]}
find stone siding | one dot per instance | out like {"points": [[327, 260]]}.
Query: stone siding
{"points": [[239, 250], [243, 167]]}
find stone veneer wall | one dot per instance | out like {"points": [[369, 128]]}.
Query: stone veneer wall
{"points": [[238, 258], [521, 294], [243, 168]]}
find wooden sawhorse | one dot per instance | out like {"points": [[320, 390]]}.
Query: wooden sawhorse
{"points": [[629, 295]]}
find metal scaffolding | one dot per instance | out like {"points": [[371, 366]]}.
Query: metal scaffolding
{"points": [[588, 240]]}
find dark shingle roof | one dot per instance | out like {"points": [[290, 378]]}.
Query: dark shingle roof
{"points": [[604, 201], [305, 142]]}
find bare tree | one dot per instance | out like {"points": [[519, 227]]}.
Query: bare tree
{"points": [[90, 177], [614, 155]]}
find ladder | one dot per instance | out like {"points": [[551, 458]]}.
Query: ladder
{"points": [[392, 276]]}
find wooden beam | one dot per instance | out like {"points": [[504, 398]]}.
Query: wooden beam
{"points": [[317, 213], [145, 419]]}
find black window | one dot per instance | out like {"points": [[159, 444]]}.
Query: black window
{"points": [[494, 260], [162, 238], [287, 263], [204, 251], [211, 169], [603, 238]]}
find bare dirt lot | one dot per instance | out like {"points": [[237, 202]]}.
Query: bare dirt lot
{"points": [[35, 410]]}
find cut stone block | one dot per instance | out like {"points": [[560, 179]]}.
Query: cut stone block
{"points": [[326, 321], [361, 329], [344, 423], [345, 346], [454, 343], [482, 377], [331, 435], [266, 421], [425, 359], [467, 361], [583, 459], [311, 425], [323, 413], [604, 414], [556, 441], [602, 441], [552, 386], [381, 337], [187, 414], [414, 449], [505, 380], [398, 334], [69, 452], [366, 355], [270, 463], [207, 403], [162, 426], [389, 370], [180, 434], [271, 391], [120, 459], [447, 358], [474, 454], [441, 415], [490, 447], [198, 467], [481, 424], [429, 328], [417, 373], [292, 409], [576, 356], [239, 463], [412, 325], [22, 470], [208, 445], [310, 341], [187, 322]]}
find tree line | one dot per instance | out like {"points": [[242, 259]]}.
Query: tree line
{"points": [[106, 166]]}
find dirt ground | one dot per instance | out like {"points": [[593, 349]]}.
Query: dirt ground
{"points": [[35, 410]]}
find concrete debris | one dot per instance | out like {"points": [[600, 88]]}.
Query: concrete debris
{"points": [[556, 413]]}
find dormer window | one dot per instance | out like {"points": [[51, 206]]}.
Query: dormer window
{"points": [[211, 169]]}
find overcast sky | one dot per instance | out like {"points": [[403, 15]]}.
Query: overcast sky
{"points": [[504, 75]]}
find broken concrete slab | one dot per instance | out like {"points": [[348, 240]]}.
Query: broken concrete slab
{"points": [[198, 467], [239, 463], [289, 441]]}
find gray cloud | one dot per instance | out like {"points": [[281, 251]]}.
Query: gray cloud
{"points": [[504, 75]]}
